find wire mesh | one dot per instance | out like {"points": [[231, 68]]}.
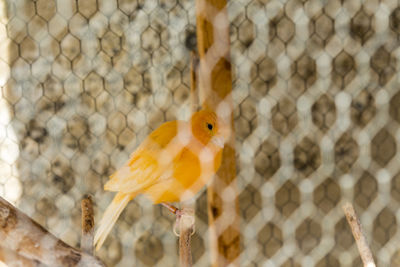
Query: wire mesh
{"points": [[316, 108]]}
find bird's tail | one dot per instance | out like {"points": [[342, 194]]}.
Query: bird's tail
{"points": [[110, 216]]}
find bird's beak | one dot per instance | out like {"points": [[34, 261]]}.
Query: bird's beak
{"points": [[225, 131], [218, 141]]}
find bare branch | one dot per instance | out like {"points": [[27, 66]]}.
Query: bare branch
{"points": [[355, 225], [11, 258], [87, 225], [186, 228], [20, 233]]}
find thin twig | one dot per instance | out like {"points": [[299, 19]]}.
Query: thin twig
{"points": [[194, 93], [20, 233], [87, 225], [355, 225], [186, 228]]}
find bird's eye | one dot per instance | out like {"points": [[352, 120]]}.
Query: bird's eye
{"points": [[209, 126]]}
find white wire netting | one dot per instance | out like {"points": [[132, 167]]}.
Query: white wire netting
{"points": [[316, 107]]}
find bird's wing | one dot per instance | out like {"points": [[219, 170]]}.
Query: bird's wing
{"points": [[191, 170], [149, 162], [184, 173]]}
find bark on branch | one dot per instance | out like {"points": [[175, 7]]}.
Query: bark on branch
{"points": [[24, 236], [186, 228], [11, 258], [186, 222]]}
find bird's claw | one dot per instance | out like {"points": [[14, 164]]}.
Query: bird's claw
{"points": [[188, 216]]}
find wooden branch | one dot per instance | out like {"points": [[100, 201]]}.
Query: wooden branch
{"points": [[356, 229], [21, 234], [11, 258], [215, 84], [87, 225], [186, 228], [187, 221]]}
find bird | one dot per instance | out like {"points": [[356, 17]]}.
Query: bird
{"points": [[172, 164]]}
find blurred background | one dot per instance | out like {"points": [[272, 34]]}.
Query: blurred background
{"points": [[316, 105]]}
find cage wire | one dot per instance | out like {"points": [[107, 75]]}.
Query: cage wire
{"points": [[316, 110]]}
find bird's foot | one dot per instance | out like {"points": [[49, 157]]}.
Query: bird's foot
{"points": [[184, 220], [170, 207]]}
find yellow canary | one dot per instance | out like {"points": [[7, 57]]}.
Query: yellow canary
{"points": [[172, 164]]}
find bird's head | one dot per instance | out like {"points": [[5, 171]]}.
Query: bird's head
{"points": [[207, 127]]}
